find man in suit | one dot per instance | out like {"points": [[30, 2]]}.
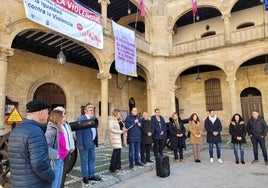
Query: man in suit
{"points": [[160, 131], [87, 139]]}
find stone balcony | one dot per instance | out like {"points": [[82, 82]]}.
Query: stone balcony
{"points": [[217, 41], [203, 44]]}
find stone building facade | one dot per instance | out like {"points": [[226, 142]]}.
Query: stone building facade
{"points": [[164, 52]]}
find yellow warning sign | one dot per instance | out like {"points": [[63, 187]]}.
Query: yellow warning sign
{"points": [[14, 117]]}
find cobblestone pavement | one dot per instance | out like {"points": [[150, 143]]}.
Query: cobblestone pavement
{"points": [[103, 156], [183, 173]]}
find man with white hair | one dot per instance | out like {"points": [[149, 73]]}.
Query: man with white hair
{"points": [[86, 140], [70, 146]]}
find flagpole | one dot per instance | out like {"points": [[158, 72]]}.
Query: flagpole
{"points": [[194, 33], [136, 19], [194, 7]]}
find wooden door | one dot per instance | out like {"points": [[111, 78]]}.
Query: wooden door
{"points": [[52, 94], [249, 104]]}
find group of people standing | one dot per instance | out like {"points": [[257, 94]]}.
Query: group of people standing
{"points": [[143, 131], [40, 147]]}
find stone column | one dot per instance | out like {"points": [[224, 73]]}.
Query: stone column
{"points": [[4, 54], [104, 107], [104, 4], [232, 90], [150, 101], [227, 32]]}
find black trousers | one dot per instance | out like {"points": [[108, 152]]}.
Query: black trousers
{"points": [[159, 147], [145, 152], [179, 148], [115, 160]]}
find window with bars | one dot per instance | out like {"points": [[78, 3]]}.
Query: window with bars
{"points": [[213, 94]]}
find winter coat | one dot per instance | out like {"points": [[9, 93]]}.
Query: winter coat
{"points": [[84, 136], [174, 130], [134, 131], [146, 126], [115, 133], [195, 129], [238, 130], [28, 156], [257, 127], [158, 129], [210, 128], [52, 138]]}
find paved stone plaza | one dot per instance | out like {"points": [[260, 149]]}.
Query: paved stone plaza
{"points": [[186, 174]]}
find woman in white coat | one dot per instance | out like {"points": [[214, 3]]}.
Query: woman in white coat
{"points": [[115, 138]]}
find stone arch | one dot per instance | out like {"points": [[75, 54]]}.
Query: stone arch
{"points": [[251, 99], [24, 24], [231, 5], [55, 80], [193, 63], [187, 6], [51, 93], [132, 17], [141, 68], [249, 54]]}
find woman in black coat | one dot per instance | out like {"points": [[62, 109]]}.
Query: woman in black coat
{"points": [[238, 131], [177, 136]]}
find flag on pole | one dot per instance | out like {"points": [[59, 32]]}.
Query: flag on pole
{"points": [[194, 2], [142, 8], [266, 4]]}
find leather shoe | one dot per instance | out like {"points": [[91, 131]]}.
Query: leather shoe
{"points": [[254, 161], [85, 181], [139, 164], [95, 178]]}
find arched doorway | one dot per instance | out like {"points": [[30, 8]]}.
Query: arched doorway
{"points": [[250, 100], [51, 93]]}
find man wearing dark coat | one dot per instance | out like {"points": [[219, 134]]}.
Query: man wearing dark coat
{"points": [[146, 138], [28, 149], [257, 130], [133, 125], [213, 127], [160, 133]]}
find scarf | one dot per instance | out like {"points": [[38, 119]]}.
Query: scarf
{"points": [[212, 119]]}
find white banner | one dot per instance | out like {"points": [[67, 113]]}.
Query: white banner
{"points": [[125, 50], [67, 17]]}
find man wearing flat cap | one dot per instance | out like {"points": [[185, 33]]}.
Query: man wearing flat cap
{"points": [[28, 150]]}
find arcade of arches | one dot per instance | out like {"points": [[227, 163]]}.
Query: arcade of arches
{"points": [[170, 55]]}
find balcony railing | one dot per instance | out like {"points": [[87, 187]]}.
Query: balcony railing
{"points": [[199, 44], [216, 41], [208, 43], [248, 34]]}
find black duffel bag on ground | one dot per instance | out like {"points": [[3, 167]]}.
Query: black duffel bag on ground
{"points": [[162, 166]]}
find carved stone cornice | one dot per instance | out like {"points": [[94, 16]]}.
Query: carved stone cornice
{"points": [[5, 53], [104, 75], [104, 2]]}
